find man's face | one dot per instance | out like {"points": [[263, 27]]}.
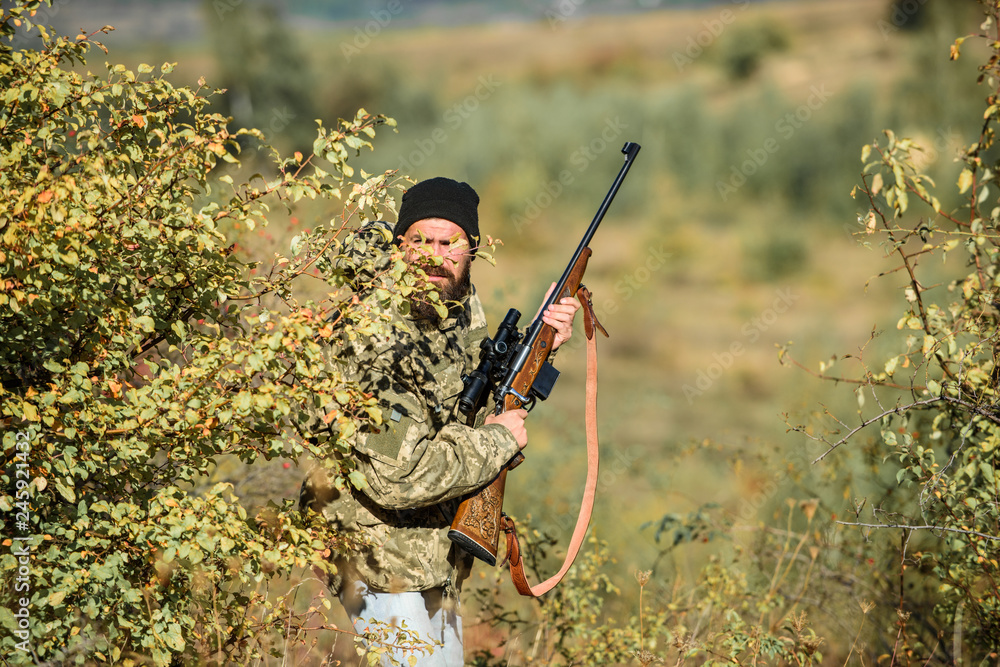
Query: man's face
{"points": [[445, 239]]}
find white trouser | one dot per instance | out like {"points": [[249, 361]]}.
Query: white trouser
{"points": [[434, 617]]}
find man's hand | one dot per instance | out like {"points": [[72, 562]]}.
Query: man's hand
{"points": [[513, 420], [560, 316]]}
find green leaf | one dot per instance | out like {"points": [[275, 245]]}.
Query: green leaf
{"points": [[145, 323], [173, 638], [357, 479], [243, 401], [65, 491], [53, 366], [987, 470]]}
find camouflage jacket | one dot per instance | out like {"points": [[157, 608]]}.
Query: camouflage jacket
{"points": [[421, 461]]}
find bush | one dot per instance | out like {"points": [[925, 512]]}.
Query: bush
{"points": [[138, 351], [724, 615], [742, 49], [933, 399]]}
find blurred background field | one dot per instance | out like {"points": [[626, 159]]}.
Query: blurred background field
{"points": [[734, 234]]}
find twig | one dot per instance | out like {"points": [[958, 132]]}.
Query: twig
{"points": [[900, 409], [872, 420], [906, 527]]}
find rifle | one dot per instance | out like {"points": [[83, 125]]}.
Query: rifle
{"points": [[515, 368]]}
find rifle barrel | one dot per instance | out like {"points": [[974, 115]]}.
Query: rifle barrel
{"points": [[630, 150]]}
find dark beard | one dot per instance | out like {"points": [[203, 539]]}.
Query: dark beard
{"points": [[452, 290]]}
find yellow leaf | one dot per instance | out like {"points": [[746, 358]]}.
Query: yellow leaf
{"points": [[876, 184], [964, 180]]}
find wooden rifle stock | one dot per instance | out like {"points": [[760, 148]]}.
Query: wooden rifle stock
{"points": [[477, 523]]}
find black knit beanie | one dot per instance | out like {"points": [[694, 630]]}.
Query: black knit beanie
{"points": [[440, 198]]}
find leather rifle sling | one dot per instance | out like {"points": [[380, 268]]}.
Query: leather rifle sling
{"points": [[590, 488]]}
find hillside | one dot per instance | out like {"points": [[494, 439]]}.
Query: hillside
{"points": [[734, 236]]}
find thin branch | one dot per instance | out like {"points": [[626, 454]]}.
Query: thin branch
{"points": [[868, 422], [899, 410], [906, 527]]}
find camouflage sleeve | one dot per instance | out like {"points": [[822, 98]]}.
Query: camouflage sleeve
{"points": [[427, 470]]}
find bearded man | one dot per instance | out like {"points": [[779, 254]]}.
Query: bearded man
{"points": [[426, 456]]}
